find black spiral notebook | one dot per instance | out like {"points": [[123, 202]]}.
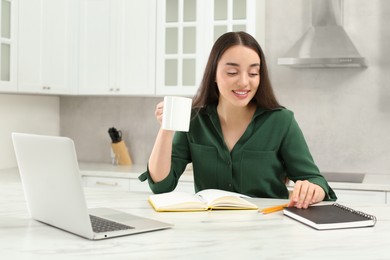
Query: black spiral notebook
{"points": [[330, 216]]}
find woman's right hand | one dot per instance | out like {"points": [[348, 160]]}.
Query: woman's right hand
{"points": [[159, 111]]}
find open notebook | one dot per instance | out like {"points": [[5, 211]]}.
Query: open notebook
{"points": [[53, 189]]}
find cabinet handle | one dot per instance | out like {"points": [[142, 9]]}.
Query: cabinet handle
{"points": [[46, 87], [107, 183]]}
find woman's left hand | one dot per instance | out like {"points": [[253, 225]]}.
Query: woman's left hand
{"points": [[306, 193]]}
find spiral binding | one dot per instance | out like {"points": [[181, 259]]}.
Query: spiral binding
{"points": [[360, 213]]}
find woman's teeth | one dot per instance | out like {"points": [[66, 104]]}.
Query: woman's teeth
{"points": [[240, 92]]}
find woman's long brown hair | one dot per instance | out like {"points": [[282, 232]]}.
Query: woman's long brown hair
{"points": [[208, 93]]}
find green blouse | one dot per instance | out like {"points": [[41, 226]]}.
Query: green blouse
{"points": [[271, 149]]}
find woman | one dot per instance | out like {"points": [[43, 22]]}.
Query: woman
{"points": [[240, 138]]}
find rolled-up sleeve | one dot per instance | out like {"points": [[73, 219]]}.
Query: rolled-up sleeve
{"points": [[180, 158], [298, 160]]}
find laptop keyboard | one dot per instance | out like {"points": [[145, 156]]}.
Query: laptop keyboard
{"points": [[100, 225]]}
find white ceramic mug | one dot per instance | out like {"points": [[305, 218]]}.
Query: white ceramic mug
{"points": [[177, 113]]}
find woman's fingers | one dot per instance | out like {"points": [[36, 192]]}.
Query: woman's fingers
{"points": [[306, 193], [159, 112]]}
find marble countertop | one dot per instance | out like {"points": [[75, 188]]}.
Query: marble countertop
{"points": [[195, 235], [372, 182]]}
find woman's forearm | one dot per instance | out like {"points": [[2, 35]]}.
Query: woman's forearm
{"points": [[160, 158]]}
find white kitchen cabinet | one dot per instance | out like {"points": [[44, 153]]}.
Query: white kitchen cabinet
{"points": [[107, 182], [186, 30], [360, 196], [8, 45], [183, 186], [129, 184], [117, 47], [46, 62]]}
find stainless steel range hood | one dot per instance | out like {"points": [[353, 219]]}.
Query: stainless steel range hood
{"points": [[325, 44]]}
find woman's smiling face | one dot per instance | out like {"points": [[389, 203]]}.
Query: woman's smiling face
{"points": [[238, 75]]}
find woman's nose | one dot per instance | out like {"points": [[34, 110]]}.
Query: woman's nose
{"points": [[243, 80]]}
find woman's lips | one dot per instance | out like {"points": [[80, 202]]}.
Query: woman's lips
{"points": [[241, 93]]}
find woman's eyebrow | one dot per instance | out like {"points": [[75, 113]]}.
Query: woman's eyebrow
{"points": [[232, 64], [238, 65]]}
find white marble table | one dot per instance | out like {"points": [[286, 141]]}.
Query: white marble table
{"points": [[196, 235]]}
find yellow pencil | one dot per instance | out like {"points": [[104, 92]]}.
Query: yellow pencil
{"points": [[273, 209]]}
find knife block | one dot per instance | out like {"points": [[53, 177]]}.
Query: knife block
{"points": [[122, 156]]}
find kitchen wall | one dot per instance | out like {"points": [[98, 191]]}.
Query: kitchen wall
{"points": [[344, 113], [25, 113], [87, 120]]}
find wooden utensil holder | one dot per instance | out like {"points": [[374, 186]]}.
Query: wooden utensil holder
{"points": [[122, 156]]}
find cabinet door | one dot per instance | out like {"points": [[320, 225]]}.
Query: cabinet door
{"points": [[185, 34], [233, 16], [117, 47], [136, 54], [8, 37], [44, 46], [355, 196], [179, 46], [96, 49], [106, 182]]}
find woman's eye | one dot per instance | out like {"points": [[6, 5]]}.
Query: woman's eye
{"points": [[253, 72], [232, 73]]}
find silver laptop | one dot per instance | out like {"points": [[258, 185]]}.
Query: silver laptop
{"points": [[53, 189]]}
